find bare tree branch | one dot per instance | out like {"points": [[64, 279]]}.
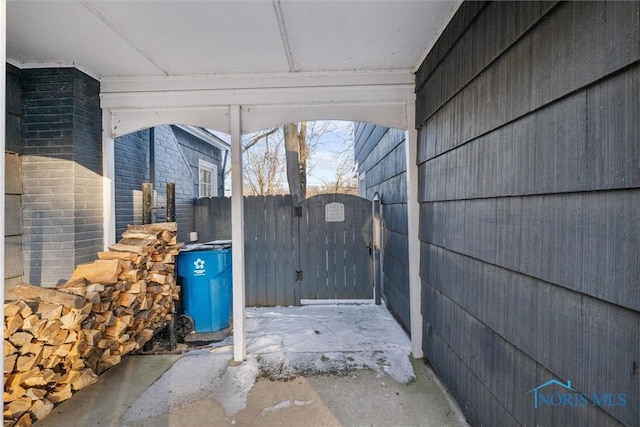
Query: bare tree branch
{"points": [[256, 138]]}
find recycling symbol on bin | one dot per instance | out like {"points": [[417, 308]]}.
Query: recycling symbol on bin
{"points": [[198, 266]]}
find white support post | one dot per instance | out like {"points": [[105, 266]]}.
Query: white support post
{"points": [[413, 208], [237, 234], [108, 181], [3, 115]]}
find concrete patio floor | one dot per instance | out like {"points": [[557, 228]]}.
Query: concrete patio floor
{"points": [[203, 387]]}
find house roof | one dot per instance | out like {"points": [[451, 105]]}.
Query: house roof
{"points": [[142, 39], [206, 136]]}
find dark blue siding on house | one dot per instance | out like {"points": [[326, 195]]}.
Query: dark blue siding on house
{"points": [[380, 153], [529, 191], [176, 155], [131, 170]]}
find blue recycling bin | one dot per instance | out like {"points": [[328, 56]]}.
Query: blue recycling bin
{"points": [[205, 278]]}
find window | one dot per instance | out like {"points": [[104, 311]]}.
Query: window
{"points": [[208, 179]]}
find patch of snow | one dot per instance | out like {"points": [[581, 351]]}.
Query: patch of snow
{"points": [[336, 301], [274, 408], [283, 342], [302, 402]]}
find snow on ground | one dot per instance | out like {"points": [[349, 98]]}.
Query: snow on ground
{"points": [[282, 342]]}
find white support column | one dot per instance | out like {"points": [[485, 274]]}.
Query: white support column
{"points": [[3, 115], [413, 208], [108, 181], [237, 234]]}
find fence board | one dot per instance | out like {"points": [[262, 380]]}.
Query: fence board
{"points": [[290, 230], [315, 280], [250, 251], [350, 249], [270, 238]]}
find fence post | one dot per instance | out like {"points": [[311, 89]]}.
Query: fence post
{"points": [[377, 288], [147, 202], [171, 201]]}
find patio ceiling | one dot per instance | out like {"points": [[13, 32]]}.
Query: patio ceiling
{"points": [[142, 39]]}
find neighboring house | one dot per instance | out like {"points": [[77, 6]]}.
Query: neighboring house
{"points": [[192, 158]]}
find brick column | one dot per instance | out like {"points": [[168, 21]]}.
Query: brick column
{"points": [[62, 173]]}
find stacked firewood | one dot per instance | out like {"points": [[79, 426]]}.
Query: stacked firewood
{"points": [[57, 341]]}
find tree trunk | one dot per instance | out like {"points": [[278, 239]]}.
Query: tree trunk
{"points": [[292, 155], [304, 155]]}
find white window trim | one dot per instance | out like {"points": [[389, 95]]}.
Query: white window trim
{"points": [[204, 165]]}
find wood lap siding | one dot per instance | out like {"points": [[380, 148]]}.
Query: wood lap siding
{"points": [[380, 153], [529, 191]]}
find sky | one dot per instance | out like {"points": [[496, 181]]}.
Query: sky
{"points": [[324, 159], [282, 342]]}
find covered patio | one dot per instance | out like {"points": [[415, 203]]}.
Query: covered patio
{"points": [[236, 68]]}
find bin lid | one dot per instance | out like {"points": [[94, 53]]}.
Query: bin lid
{"points": [[213, 245]]}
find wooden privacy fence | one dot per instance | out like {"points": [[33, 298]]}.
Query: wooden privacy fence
{"points": [[320, 248]]}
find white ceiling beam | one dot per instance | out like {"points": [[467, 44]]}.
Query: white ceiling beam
{"points": [[257, 81], [206, 98], [385, 114]]}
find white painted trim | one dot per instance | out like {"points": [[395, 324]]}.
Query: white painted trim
{"points": [[29, 65], [127, 120], [257, 81], [413, 218], [108, 181], [213, 170], [162, 99], [254, 118], [390, 114], [206, 137], [237, 234], [3, 145]]}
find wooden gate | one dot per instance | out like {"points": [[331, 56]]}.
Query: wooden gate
{"points": [[335, 240], [320, 248]]}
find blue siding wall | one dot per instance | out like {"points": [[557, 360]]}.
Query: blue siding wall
{"points": [[131, 170], [176, 155], [380, 153], [529, 164]]}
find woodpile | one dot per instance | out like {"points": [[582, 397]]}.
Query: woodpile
{"points": [[58, 340]]}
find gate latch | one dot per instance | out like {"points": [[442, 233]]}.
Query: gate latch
{"points": [[298, 275], [371, 246]]}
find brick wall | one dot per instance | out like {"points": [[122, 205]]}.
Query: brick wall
{"points": [[62, 176]]}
